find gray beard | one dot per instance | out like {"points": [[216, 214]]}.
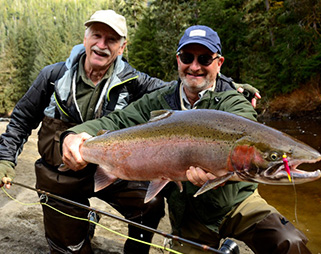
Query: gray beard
{"points": [[204, 85]]}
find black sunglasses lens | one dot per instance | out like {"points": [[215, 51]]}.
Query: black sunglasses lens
{"points": [[186, 58], [205, 60]]}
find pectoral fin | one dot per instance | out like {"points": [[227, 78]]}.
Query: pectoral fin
{"points": [[103, 179], [210, 184], [154, 188]]}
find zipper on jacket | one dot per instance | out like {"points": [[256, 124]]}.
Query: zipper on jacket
{"points": [[108, 99], [61, 109]]}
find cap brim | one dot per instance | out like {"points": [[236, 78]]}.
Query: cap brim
{"points": [[88, 23], [209, 46]]}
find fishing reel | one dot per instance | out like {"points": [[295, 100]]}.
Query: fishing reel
{"points": [[230, 247]]}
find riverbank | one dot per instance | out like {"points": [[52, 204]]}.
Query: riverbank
{"points": [[302, 102]]}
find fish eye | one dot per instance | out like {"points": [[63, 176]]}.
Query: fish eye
{"points": [[274, 156]]}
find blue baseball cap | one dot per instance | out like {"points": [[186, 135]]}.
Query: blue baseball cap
{"points": [[201, 35]]}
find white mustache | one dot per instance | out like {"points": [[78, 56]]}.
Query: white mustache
{"points": [[101, 51]]}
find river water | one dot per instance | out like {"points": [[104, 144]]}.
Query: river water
{"points": [[301, 204]]}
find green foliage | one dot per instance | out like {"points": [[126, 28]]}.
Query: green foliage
{"points": [[154, 46], [143, 50], [226, 20], [273, 45], [7, 72]]}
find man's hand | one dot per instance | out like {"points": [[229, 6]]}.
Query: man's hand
{"points": [[198, 176], [71, 156], [249, 92], [7, 173]]}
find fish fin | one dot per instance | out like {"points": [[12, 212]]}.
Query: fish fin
{"points": [[180, 185], [159, 114], [154, 188], [103, 178], [210, 184], [101, 132]]}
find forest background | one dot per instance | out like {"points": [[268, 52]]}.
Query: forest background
{"points": [[273, 45]]}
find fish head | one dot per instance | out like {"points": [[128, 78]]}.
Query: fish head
{"points": [[261, 160]]}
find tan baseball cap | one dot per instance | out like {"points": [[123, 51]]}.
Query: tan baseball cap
{"points": [[110, 18]]}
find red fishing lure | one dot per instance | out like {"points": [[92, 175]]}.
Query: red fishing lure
{"points": [[286, 166]]}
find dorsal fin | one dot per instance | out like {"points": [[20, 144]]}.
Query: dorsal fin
{"points": [[101, 132], [160, 114]]}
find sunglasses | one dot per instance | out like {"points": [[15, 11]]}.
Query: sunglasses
{"points": [[188, 58]]}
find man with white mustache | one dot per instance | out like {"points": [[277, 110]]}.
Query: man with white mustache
{"points": [[94, 81]]}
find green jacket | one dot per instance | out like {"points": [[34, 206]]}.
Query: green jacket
{"points": [[210, 207]]}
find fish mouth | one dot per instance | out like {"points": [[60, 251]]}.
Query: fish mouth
{"points": [[277, 174]]}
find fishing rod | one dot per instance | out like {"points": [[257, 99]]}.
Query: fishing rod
{"points": [[228, 246]]}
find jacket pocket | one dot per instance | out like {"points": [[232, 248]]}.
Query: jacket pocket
{"points": [[48, 139]]}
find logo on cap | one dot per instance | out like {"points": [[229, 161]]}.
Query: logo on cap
{"points": [[197, 32]]}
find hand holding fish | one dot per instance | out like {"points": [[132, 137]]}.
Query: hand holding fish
{"points": [[198, 176], [71, 156]]}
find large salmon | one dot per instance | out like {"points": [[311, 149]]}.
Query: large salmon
{"points": [[229, 146]]}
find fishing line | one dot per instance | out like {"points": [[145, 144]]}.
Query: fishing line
{"points": [[93, 222], [291, 179], [295, 207], [295, 201], [18, 201], [165, 235]]}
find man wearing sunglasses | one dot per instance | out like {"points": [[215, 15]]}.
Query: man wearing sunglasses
{"points": [[232, 210]]}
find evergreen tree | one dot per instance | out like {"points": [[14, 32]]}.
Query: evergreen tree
{"points": [[7, 74], [226, 18], [154, 45], [143, 50]]}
